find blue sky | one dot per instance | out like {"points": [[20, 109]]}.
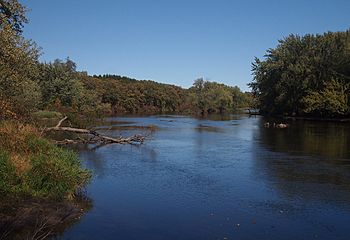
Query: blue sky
{"points": [[175, 41]]}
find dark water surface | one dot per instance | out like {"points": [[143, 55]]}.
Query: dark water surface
{"points": [[219, 179]]}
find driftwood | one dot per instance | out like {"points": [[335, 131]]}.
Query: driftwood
{"points": [[97, 137]]}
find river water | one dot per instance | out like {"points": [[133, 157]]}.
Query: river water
{"points": [[221, 178]]}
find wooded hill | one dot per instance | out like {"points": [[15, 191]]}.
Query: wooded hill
{"points": [[60, 87]]}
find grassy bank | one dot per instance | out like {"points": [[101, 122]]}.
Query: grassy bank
{"points": [[31, 166], [46, 114]]}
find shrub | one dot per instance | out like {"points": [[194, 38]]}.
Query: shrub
{"points": [[32, 166]]}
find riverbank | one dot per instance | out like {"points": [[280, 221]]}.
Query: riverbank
{"points": [[33, 166], [40, 183]]}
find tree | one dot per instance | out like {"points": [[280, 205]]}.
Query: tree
{"points": [[300, 69], [18, 61], [12, 14], [331, 101], [211, 97], [59, 81], [201, 102], [111, 95]]}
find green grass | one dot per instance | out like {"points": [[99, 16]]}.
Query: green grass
{"points": [[8, 178], [47, 114], [32, 166]]}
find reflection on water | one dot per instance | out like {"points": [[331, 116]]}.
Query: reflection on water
{"points": [[308, 160], [39, 219], [206, 128], [220, 178], [329, 140]]}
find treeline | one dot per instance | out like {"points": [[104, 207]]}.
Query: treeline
{"points": [[113, 94], [126, 95], [58, 86], [211, 97], [305, 76]]}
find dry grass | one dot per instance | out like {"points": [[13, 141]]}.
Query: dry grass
{"points": [[14, 136], [22, 164], [13, 139]]}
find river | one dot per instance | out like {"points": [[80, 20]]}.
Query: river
{"points": [[220, 178]]}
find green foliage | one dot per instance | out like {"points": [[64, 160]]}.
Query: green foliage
{"points": [[46, 114], [126, 95], [65, 89], [18, 71], [55, 171], [331, 101], [18, 60], [8, 177], [303, 71], [58, 82], [32, 166], [133, 96], [210, 97], [12, 13]]}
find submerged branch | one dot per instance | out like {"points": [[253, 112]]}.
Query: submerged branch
{"points": [[97, 137]]}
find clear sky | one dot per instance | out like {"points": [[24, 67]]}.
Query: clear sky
{"points": [[175, 41]]}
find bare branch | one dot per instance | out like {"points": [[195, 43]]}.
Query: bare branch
{"points": [[96, 136], [61, 121]]}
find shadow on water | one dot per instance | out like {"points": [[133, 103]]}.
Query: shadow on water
{"points": [[222, 117], [40, 219], [206, 128], [309, 160], [323, 139]]}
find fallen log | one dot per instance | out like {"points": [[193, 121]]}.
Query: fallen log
{"points": [[96, 136]]}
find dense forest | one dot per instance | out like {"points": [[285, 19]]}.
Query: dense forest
{"points": [[305, 76], [58, 86]]}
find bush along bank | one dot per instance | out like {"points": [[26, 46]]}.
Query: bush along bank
{"points": [[32, 166], [40, 184]]}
